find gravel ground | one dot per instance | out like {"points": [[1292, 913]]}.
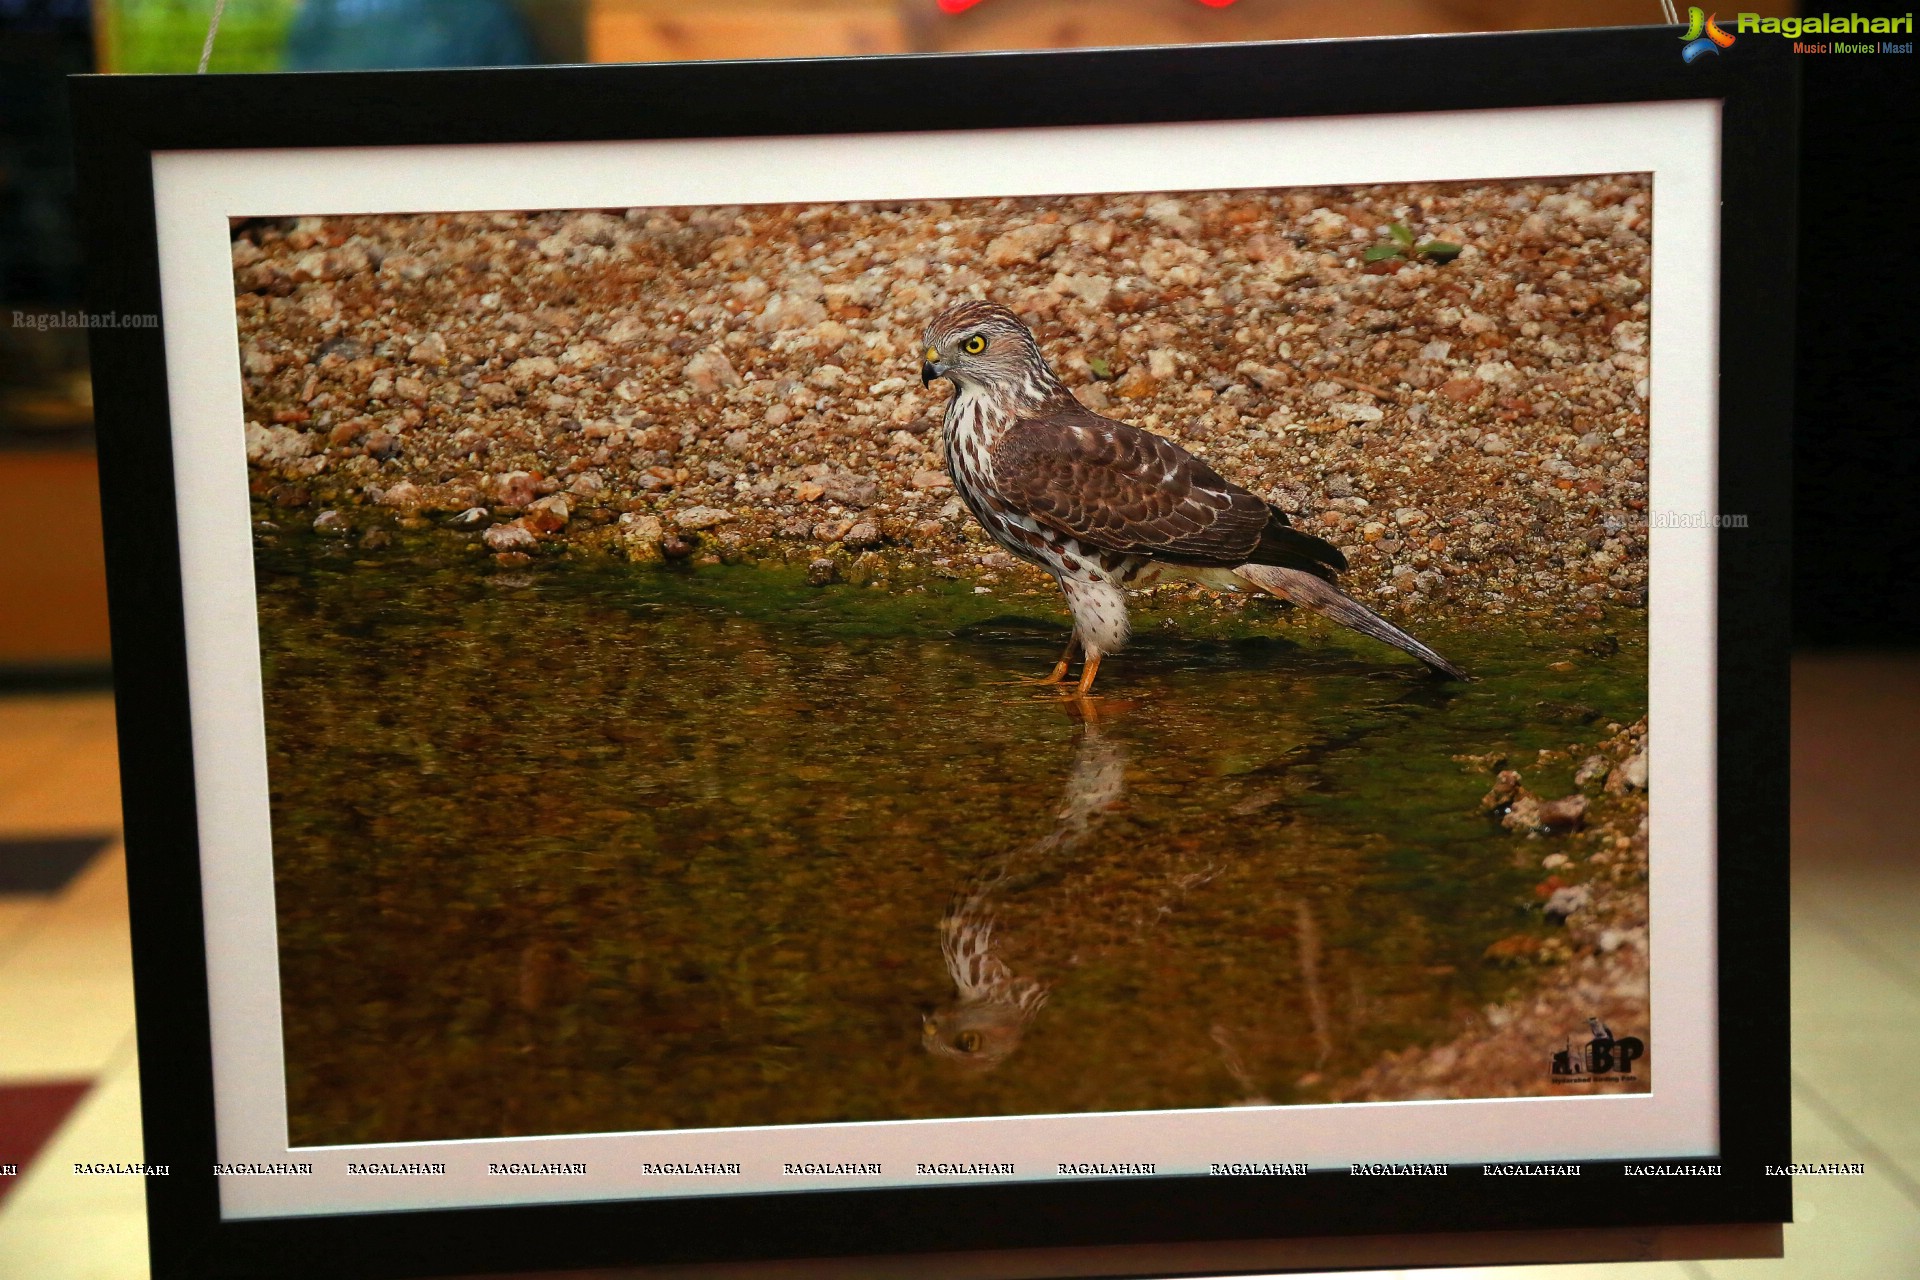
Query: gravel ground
{"points": [[741, 382], [1591, 846]]}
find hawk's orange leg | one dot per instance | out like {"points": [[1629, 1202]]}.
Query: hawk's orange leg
{"points": [[1059, 673], [1087, 671]]}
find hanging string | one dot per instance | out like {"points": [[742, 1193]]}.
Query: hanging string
{"points": [[213, 29], [1673, 15]]}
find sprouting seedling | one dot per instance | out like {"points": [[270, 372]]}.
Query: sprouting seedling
{"points": [[1403, 246], [1101, 369]]}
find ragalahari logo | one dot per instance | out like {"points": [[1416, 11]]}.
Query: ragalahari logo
{"points": [[1702, 35]]}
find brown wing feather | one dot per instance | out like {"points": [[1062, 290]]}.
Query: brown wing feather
{"points": [[1123, 489]]}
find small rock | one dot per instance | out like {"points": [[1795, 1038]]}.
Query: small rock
{"points": [[1555, 861], [382, 445], [1564, 814], [1523, 815], [509, 537], [865, 533], [852, 490], [1408, 516], [375, 540], [702, 517], [1506, 789], [514, 488], [1492, 444], [678, 546], [1593, 769], [1630, 776], [1025, 244], [331, 522], [1565, 901], [405, 496], [1090, 289], [642, 535], [548, 515], [276, 444], [822, 571], [808, 491], [531, 369], [931, 480], [429, 350], [1136, 383], [710, 370]]}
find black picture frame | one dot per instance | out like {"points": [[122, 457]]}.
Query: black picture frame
{"points": [[122, 121]]}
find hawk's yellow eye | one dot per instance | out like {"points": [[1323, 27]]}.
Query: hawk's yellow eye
{"points": [[968, 1041], [975, 345]]}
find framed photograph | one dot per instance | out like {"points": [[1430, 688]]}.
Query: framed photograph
{"points": [[592, 550]]}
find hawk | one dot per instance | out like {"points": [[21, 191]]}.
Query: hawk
{"points": [[1104, 506]]}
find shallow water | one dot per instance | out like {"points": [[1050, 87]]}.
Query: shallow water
{"points": [[602, 848]]}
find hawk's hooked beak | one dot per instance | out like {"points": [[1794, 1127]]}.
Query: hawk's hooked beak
{"points": [[930, 366]]}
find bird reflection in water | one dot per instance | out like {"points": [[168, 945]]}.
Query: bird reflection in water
{"points": [[993, 1005]]}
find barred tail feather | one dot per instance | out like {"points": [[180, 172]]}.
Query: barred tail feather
{"points": [[1325, 598]]}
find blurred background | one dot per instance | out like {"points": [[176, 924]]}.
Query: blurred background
{"points": [[68, 1079]]}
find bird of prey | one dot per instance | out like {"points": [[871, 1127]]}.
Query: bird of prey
{"points": [[1103, 506]]}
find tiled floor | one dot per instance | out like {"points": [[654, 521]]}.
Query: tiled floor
{"points": [[66, 1001]]}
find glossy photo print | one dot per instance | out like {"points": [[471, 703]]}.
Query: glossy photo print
{"points": [[810, 663]]}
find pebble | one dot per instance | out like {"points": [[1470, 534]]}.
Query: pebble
{"points": [[331, 522], [548, 515], [711, 370], [1506, 789], [852, 490], [514, 488], [1564, 814], [822, 571], [1629, 775], [1593, 769], [702, 517], [509, 537], [1564, 902], [1025, 244]]}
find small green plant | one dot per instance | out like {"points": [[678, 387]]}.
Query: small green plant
{"points": [[1403, 246], [1101, 369]]}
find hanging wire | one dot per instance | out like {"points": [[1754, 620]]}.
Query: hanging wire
{"points": [[1673, 15], [213, 29]]}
